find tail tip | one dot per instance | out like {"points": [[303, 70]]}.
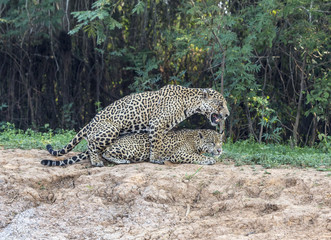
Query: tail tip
{"points": [[44, 162]]}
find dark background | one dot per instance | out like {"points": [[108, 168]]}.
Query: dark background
{"points": [[270, 59]]}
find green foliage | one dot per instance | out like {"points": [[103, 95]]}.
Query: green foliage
{"points": [[144, 80], [67, 112], [320, 98], [98, 106], [268, 119], [3, 106], [234, 41], [261, 24], [325, 143], [97, 21], [11, 137], [270, 155], [139, 8], [27, 15], [179, 79], [258, 52]]}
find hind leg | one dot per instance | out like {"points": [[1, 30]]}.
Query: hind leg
{"points": [[94, 155], [98, 143]]}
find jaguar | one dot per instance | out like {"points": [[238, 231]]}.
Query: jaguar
{"points": [[151, 112], [182, 146]]}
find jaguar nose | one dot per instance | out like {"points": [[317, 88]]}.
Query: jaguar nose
{"points": [[219, 150]]}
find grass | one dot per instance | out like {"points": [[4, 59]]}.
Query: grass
{"points": [[271, 155], [241, 152], [190, 176], [10, 137]]}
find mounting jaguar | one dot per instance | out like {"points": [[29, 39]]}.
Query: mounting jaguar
{"points": [[183, 146], [152, 112]]}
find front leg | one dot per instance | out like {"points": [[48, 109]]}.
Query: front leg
{"points": [[155, 136], [161, 162], [115, 160], [183, 157]]}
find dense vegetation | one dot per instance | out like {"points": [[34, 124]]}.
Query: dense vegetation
{"points": [[61, 61]]}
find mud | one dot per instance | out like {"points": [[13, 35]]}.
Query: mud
{"points": [[148, 201]]}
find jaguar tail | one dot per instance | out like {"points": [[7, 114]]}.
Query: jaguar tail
{"points": [[73, 143], [71, 160]]}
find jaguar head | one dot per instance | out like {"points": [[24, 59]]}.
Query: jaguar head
{"points": [[214, 106], [210, 142]]}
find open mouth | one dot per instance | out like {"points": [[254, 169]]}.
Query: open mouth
{"points": [[215, 119]]}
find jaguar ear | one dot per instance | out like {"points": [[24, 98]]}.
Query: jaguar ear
{"points": [[205, 93], [200, 135]]}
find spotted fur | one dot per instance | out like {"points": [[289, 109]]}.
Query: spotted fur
{"points": [[183, 146], [154, 112]]}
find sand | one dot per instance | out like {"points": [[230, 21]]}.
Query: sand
{"points": [[149, 201]]}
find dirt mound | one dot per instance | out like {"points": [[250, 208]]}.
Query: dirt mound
{"points": [[148, 201]]}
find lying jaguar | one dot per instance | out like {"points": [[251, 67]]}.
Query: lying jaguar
{"points": [[183, 146], [154, 112]]}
